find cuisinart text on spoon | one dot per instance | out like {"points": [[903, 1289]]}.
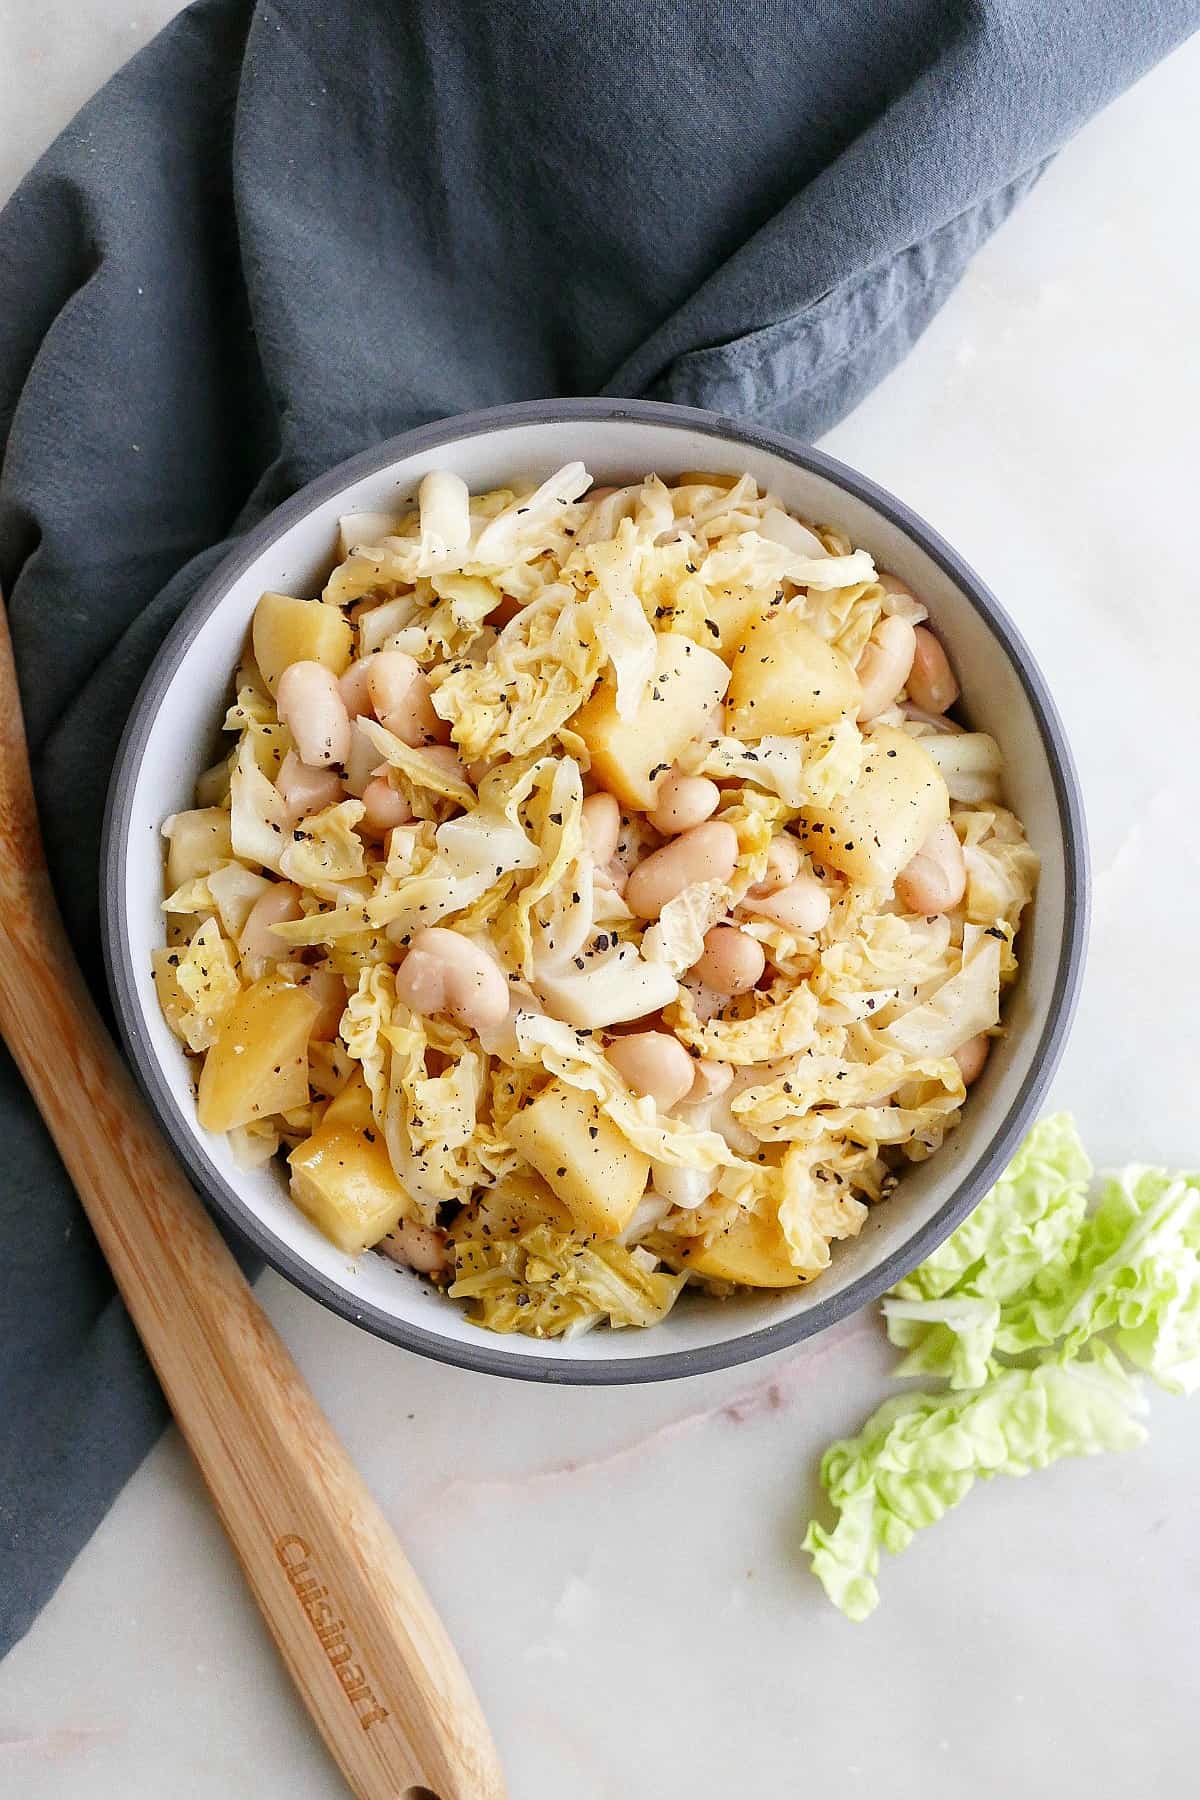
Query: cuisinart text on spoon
{"points": [[293, 1553]]}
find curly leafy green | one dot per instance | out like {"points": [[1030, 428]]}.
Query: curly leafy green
{"points": [[1024, 1233], [920, 1454], [1022, 1313]]}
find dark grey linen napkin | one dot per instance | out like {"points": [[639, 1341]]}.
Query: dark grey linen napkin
{"points": [[286, 231]]}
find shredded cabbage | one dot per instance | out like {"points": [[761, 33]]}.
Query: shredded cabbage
{"points": [[196, 986], [677, 938], [325, 849], [962, 1007], [624, 632], [778, 1028], [258, 819], [445, 521], [971, 763], [519, 606], [545, 1286]]}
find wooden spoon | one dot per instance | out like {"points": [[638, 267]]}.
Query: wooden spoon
{"points": [[360, 1638]]}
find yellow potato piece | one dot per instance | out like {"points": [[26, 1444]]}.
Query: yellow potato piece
{"points": [[287, 630], [631, 756], [787, 679], [518, 1206], [752, 1252], [259, 1063], [877, 826], [351, 1105], [732, 611], [198, 842], [343, 1179], [704, 478], [582, 1157]]}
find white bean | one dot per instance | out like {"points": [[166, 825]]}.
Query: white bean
{"points": [[706, 1002], [683, 802], [402, 699], [936, 878], [653, 1063], [710, 1080], [304, 790], [446, 973], [355, 688], [884, 665], [709, 852], [972, 1056], [314, 712], [281, 901], [601, 821], [416, 1246], [803, 905], [732, 961], [892, 584], [931, 682], [783, 865], [386, 806], [445, 756]]}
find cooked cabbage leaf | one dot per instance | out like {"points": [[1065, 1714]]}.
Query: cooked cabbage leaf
{"points": [[544, 1284], [197, 985], [778, 1028], [541, 669], [962, 1007], [677, 938]]}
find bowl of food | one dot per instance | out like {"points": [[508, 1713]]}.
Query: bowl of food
{"points": [[564, 872]]}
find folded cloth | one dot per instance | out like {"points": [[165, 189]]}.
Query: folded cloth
{"points": [[287, 230]]}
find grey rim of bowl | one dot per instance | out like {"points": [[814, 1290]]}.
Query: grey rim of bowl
{"points": [[483, 1358]]}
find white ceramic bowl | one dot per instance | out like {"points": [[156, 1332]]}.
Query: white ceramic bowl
{"points": [[170, 739]]}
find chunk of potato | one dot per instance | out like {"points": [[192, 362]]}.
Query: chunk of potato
{"points": [[519, 1205], [351, 1105], [343, 1179], [732, 611], [582, 1157], [703, 478], [751, 1251], [197, 843], [630, 756], [287, 630], [788, 679], [880, 823], [259, 1063]]}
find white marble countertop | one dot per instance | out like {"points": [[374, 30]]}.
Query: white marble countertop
{"points": [[621, 1568]]}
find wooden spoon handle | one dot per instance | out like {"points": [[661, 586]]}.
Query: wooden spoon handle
{"points": [[357, 1631]]}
